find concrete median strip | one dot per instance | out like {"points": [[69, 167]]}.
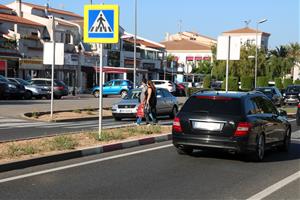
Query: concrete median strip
{"points": [[83, 152]]}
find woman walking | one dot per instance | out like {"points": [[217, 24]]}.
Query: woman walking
{"points": [[150, 106]]}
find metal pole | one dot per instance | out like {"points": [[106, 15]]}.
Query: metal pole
{"points": [[100, 47], [255, 73], [227, 64], [135, 35], [53, 65]]}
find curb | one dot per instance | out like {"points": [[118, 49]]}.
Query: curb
{"points": [[82, 153], [28, 116]]}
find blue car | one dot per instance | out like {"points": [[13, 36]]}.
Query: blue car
{"points": [[114, 87]]}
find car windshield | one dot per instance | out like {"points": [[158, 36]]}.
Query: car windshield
{"points": [[266, 91], [23, 82], [133, 94], [210, 105], [293, 89]]}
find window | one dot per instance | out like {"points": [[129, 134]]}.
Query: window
{"points": [[117, 83], [207, 105], [38, 82], [67, 38], [265, 106], [250, 107], [109, 84]]}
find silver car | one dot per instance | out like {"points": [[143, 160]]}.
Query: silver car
{"points": [[167, 104], [32, 90]]}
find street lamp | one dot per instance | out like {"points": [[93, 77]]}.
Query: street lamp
{"points": [[135, 35], [256, 49]]}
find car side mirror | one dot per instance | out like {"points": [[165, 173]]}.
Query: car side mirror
{"points": [[282, 113]]}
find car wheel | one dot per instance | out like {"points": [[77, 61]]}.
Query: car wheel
{"points": [[123, 93], [96, 94], [184, 150], [260, 148], [48, 96], [28, 95], [57, 97], [117, 118], [286, 142], [174, 112]]}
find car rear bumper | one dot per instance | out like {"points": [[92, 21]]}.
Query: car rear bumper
{"points": [[291, 101], [239, 144]]}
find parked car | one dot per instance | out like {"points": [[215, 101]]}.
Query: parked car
{"points": [[168, 85], [273, 94], [291, 94], [114, 87], [298, 115], [216, 85], [127, 108], [234, 121], [180, 90], [187, 84], [12, 90], [31, 90], [60, 89]]}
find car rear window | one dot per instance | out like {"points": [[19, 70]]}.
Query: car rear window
{"points": [[213, 105], [295, 89]]}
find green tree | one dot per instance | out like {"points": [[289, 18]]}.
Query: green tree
{"points": [[203, 67], [287, 82], [247, 83], [207, 81], [262, 81], [278, 83], [233, 83]]}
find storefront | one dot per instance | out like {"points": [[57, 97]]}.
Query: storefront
{"points": [[31, 68]]}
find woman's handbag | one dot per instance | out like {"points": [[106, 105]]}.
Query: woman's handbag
{"points": [[140, 111]]}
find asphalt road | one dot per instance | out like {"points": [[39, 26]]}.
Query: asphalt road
{"points": [[157, 172], [17, 129]]}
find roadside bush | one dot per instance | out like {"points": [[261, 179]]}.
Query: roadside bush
{"points": [[207, 82], [15, 150], [297, 82], [63, 143], [247, 83], [287, 82], [192, 90], [262, 81], [233, 83], [77, 111], [278, 83]]}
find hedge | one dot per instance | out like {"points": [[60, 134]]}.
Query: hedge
{"points": [[297, 82], [192, 90], [233, 84], [287, 82], [247, 83], [262, 81], [278, 83], [207, 81]]}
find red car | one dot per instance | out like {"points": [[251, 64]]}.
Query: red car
{"points": [[180, 89]]}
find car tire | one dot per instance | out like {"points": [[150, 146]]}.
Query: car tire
{"points": [[57, 97], [28, 95], [184, 150], [259, 153], [123, 93], [174, 112], [286, 142], [96, 94], [48, 96], [117, 118]]}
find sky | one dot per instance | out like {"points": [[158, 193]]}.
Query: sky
{"points": [[210, 17]]}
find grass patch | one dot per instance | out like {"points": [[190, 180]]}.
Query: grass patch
{"points": [[62, 143], [77, 111], [35, 114], [90, 112], [16, 150]]}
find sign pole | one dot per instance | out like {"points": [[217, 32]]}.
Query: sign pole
{"points": [[100, 47], [52, 68], [227, 64]]}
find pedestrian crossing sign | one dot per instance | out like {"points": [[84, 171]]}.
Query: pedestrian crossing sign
{"points": [[101, 24]]}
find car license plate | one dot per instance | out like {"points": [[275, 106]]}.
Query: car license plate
{"points": [[126, 111], [209, 126]]}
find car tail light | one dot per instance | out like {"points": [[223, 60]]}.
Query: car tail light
{"points": [[176, 125], [298, 105], [59, 88], [243, 129]]}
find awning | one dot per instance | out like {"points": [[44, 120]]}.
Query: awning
{"points": [[3, 64], [197, 58], [189, 58], [206, 58], [111, 70]]}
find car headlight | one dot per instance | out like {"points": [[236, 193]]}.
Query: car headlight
{"points": [[284, 94], [12, 86]]}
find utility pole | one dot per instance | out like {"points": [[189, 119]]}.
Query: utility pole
{"points": [[53, 65], [135, 35]]}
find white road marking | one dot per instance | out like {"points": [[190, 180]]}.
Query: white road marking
{"points": [[82, 164], [273, 188]]}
